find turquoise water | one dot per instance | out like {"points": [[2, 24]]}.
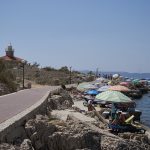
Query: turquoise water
{"points": [[143, 104]]}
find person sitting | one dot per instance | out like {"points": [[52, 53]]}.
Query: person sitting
{"points": [[119, 118], [90, 106]]}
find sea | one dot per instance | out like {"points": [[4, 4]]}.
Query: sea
{"points": [[143, 105]]}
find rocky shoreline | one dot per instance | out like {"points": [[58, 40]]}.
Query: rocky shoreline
{"points": [[64, 127]]}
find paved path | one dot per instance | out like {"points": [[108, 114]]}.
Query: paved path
{"points": [[12, 104]]}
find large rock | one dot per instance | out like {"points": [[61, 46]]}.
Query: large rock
{"points": [[26, 145], [109, 143], [16, 136], [55, 134], [72, 134], [62, 101], [143, 138], [38, 130], [67, 141], [6, 146]]}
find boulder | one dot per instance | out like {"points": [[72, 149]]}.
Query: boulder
{"points": [[6, 146], [38, 130], [16, 136], [67, 141], [62, 101], [108, 143], [26, 145]]}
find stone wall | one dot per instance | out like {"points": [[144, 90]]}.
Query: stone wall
{"points": [[13, 127]]}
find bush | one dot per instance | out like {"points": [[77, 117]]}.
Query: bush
{"points": [[7, 77]]}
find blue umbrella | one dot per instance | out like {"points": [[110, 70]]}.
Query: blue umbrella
{"points": [[92, 92]]}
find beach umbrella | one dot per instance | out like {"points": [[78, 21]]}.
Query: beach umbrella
{"points": [[81, 86], [136, 81], [143, 81], [113, 96], [109, 83], [101, 79], [90, 86], [124, 83], [128, 80], [104, 88], [115, 76], [119, 88], [92, 92], [99, 84], [86, 86]]}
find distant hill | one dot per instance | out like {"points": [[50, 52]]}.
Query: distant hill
{"points": [[125, 74]]}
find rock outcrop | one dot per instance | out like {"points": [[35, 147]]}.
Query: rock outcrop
{"points": [[26, 145], [56, 134], [6, 146], [109, 143], [45, 132], [38, 130], [49, 134], [61, 101]]}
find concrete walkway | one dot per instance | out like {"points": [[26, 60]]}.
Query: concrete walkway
{"points": [[13, 104]]}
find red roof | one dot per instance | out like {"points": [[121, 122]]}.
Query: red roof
{"points": [[7, 58]]}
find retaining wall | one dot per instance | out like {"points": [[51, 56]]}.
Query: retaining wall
{"points": [[13, 127]]}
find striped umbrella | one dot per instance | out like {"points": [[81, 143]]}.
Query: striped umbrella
{"points": [[86, 86], [104, 88], [124, 83], [119, 88], [113, 96]]}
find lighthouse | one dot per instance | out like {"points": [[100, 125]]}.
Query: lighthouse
{"points": [[9, 56], [9, 51]]}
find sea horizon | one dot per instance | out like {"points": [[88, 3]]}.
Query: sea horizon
{"points": [[122, 73]]}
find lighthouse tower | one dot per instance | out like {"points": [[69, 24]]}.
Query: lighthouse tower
{"points": [[9, 56], [9, 51]]}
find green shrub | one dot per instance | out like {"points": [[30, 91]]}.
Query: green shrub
{"points": [[7, 77]]}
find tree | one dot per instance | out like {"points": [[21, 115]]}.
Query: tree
{"points": [[64, 69], [49, 69], [90, 73], [7, 77], [35, 64]]}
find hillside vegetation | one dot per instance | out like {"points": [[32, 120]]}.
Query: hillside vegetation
{"points": [[11, 76], [7, 79], [51, 76]]}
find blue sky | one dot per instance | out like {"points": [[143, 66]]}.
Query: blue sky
{"points": [[111, 35]]}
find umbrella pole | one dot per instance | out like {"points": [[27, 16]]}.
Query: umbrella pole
{"points": [[101, 118]]}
